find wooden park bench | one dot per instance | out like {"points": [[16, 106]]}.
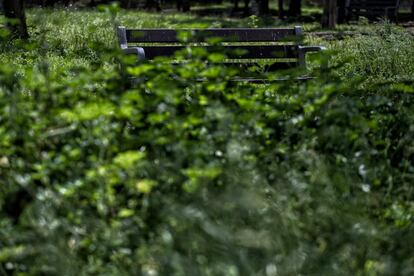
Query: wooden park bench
{"points": [[279, 47], [371, 9]]}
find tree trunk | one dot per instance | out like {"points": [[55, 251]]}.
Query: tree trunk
{"points": [[125, 4], [263, 7], [14, 11], [412, 11], [295, 7], [329, 17], [48, 3], [281, 9], [341, 11], [183, 5], [156, 4], [246, 7], [186, 5], [236, 5], [254, 7]]}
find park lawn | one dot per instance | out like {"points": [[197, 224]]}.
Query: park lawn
{"points": [[375, 52]]}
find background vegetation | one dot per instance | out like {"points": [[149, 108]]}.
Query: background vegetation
{"points": [[165, 175]]}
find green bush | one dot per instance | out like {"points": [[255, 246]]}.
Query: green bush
{"points": [[108, 167], [165, 175]]}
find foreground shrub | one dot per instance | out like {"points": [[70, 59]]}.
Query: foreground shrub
{"points": [[169, 175]]}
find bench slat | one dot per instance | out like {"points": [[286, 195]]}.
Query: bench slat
{"points": [[275, 66], [246, 68], [227, 35], [249, 52]]}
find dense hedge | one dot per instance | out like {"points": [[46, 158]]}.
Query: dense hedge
{"points": [[164, 174]]}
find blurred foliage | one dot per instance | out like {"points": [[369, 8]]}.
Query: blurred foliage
{"points": [[115, 168]]}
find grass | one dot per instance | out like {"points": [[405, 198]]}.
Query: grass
{"points": [[375, 52]]}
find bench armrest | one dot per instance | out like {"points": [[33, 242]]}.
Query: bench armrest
{"points": [[303, 50], [307, 49], [135, 51]]}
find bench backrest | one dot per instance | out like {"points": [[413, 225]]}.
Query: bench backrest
{"points": [[277, 44]]}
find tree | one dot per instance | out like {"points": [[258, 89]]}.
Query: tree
{"points": [[341, 11], [412, 10], [183, 5], [245, 8], [295, 7], [14, 12], [153, 4], [260, 7], [263, 7], [281, 10], [126, 4], [329, 17]]}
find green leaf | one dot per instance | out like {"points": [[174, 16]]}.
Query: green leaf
{"points": [[128, 159]]}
